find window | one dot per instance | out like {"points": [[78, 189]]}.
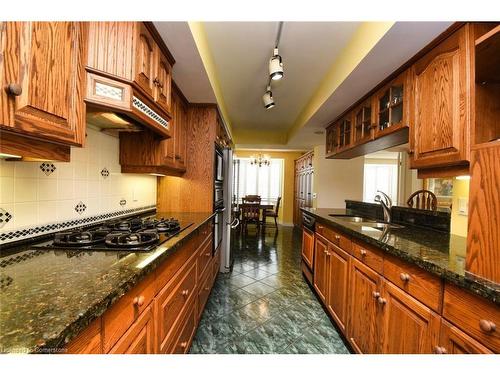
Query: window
{"points": [[266, 181], [383, 177]]}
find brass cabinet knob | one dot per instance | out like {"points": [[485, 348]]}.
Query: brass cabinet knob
{"points": [[440, 350], [362, 252], [139, 301], [376, 295], [337, 237], [487, 326], [381, 301], [183, 344], [14, 89], [185, 292], [404, 277]]}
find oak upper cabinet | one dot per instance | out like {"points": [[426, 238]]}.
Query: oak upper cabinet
{"points": [[453, 341], [42, 71], [363, 318], [146, 56], [338, 280], [440, 108], [391, 104], [363, 123], [180, 129], [408, 326], [308, 247], [139, 338], [320, 280]]}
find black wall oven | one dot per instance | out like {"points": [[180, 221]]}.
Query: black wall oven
{"points": [[218, 198]]}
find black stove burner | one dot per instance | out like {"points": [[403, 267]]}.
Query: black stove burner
{"points": [[80, 238], [127, 240], [162, 225]]}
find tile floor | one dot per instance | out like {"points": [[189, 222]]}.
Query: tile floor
{"points": [[265, 305]]}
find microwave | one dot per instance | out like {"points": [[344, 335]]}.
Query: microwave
{"points": [[219, 165]]}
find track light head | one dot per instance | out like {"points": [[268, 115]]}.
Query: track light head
{"points": [[275, 66], [267, 98]]}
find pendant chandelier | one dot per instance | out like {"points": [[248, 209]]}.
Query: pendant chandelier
{"points": [[260, 160]]}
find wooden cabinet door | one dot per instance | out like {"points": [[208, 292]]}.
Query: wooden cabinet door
{"points": [[363, 317], [321, 267], [308, 247], [338, 284], [440, 107], [145, 64], [43, 65], [139, 338], [162, 81], [408, 326], [454, 341]]}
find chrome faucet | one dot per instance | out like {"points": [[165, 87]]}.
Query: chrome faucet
{"points": [[386, 203]]}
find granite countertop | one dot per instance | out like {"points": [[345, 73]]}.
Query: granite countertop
{"points": [[440, 253], [48, 296]]}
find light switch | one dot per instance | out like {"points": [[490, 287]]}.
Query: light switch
{"points": [[463, 204]]}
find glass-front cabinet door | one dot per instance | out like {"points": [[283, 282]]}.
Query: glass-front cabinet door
{"points": [[392, 106], [363, 123]]}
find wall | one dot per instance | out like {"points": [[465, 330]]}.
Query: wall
{"points": [[336, 180], [286, 211], [38, 198], [193, 192], [459, 221]]}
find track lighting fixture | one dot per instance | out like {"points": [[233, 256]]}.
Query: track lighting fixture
{"points": [[275, 66], [267, 98]]}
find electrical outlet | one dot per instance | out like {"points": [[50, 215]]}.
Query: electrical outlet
{"points": [[463, 206]]}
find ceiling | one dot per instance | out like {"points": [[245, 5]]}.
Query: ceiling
{"points": [[240, 52]]}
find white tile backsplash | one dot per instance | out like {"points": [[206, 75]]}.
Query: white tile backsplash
{"points": [[34, 198]]}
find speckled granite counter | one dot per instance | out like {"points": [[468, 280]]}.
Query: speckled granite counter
{"points": [[440, 253], [48, 296]]}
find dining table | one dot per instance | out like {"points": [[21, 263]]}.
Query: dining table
{"points": [[265, 204]]}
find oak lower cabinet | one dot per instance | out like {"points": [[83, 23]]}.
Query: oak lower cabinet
{"points": [[320, 279], [338, 280], [139, 338], [408, 326], [453, 341], [308, 247], [363, 327], [42, 67]]}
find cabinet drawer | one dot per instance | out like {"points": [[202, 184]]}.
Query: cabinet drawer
{"points": [[88, 341], [204, 291], [172, 302], [174, 263], [204, 256], [203, 232], [414, 281], [373, 258], [474, 315], [128, 308], [335, 237], [186, 333]]}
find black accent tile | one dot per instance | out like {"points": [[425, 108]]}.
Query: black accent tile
{"points": [[47, 168]]}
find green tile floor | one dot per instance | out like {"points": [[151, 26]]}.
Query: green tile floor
{"points": [[265, 305]]}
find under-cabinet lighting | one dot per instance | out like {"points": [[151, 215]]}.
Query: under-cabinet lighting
{"points": [[157, 174], [464, 177], [9, 156]]}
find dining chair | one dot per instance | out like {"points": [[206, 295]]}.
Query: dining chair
{"points": [[273, 213], [251, 199], [423, 200], [250, 213]]}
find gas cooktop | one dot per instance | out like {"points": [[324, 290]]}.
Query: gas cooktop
{"points": [[133, 234]]}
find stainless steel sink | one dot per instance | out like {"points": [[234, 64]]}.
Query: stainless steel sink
{"points": [[363, 221], [353, 219]]}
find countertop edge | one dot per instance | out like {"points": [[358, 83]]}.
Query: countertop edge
{"points": [[73, 329], [474, 286]]}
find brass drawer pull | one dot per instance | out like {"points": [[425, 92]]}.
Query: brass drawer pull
{"points": [[376, 295], [208, 254], [337, 237], [183, 344], [185, 292], [381, 301], [487, 326], [404, 277], [139, 301], [362, 252]]}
